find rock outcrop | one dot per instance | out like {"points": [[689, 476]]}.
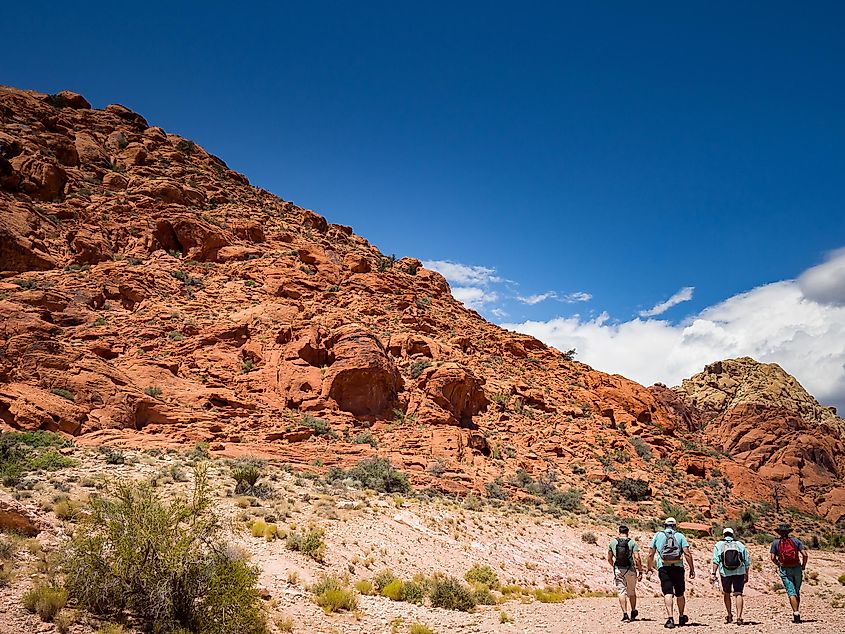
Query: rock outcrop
{"points": [[151, 296]]}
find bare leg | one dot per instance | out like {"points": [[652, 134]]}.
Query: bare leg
{"points": [[682, 602], [633, 599], [727, 597], [622, 603], [795, 602], [740, 602], [669, 602]]}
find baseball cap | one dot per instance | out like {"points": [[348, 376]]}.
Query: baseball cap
{"points": [[670, 520], [728, 531]]}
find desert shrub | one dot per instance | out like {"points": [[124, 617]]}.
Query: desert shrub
{"points": [[45, 601], [7, 574], [7, 548], [418, 366], [451, 594], [504, 618], [66, 509], [111, 628], [163, 561], [551, 595], [589, 538], [413, 592], [841, 579], [175, 335], [673, 510], [333, 595], [382, 579], [365, 438], [642, 448], [633, 489], [419, 628], [394, 590], [65, 394], [308, 542], [378, 474], [319, 426], [153, 391], [365, 587], [496, 491], [246, 475], [21, 452], [568, 500], [64, 620], [482, 573]]}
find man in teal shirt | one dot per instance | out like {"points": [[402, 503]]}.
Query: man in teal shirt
{"points": [[669, 548], [731, 559]]}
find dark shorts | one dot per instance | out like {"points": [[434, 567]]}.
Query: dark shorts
{"points": [[733, 583], [672, 580]]}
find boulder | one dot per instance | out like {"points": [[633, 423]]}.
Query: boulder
{"points": [[16, 518]]}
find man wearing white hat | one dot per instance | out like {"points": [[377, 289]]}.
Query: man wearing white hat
{"points": [[669, 549], [732, 561]]}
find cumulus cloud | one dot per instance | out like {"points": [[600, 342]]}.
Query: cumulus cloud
{"points": [[464, 274], [683, 295], [580, 296], [570, 298], [825, 283], [474, 297], [799, 324]]}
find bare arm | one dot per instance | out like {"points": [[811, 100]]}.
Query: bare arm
{"points": [[610, 557], [804, 558], [651, 553], [690, 562], [639, 562]]}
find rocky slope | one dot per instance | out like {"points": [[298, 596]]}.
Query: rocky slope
{"points": [[151, 296]]}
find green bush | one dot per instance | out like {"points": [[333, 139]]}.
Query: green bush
{"points": [[383, 579], [65, 394], [419, 628], [483, 596], [310, 543], [589, 538], [153, 391], [633, 489], [673, 510], [451, 594], [246, 476], [365, 438], [482, 573], [841, 579], [333, 595], [21, 452], [417, 367], [319, 426], [394, 590], [642, 448], [162, 561], [413, 592], [45, 601], [378, 474]]}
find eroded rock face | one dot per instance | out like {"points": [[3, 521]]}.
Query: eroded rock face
{"points": [[763, 418], [152, 296]]}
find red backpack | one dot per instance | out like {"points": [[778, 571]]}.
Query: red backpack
{"points": [[788, 552]]}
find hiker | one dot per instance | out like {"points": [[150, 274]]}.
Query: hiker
{"points": [[669, 548], [623, 555], [732, 561], [790, 556]]}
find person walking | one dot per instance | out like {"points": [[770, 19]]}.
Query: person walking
{"points": [[623, 554], [732, 561], [669, 549], [790, 556]]}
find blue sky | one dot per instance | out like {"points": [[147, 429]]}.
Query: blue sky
{"points": [[625, 151]]}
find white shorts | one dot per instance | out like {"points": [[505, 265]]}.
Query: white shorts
{"points": [[626, 582]]}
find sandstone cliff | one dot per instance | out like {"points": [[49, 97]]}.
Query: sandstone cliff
{"points": [[151, 296]]}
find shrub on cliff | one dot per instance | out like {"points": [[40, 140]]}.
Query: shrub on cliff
{"points": [[163, 561], [378, 474], [633, 489]]}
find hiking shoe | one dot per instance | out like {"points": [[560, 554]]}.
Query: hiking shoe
{"points": [[625, 618], [796, 618], [683, 619], [670, 623], [740, 622], [634, 614], [729, 618]]}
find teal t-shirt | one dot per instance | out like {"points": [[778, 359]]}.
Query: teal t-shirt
{"points": [[633, 546], [743, 553], [659, 540]]}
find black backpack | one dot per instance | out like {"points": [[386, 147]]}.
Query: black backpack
{"points": [[731, 558], [622, 556]]}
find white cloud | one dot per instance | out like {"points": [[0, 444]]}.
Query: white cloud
{"points": [[464, 274], [536, 299], [571, 298], [474, 297], [683, 295], [579, 296], [784, 322], [825, 283]]}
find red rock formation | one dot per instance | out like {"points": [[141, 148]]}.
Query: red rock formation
{"points": [[150, 295]]}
